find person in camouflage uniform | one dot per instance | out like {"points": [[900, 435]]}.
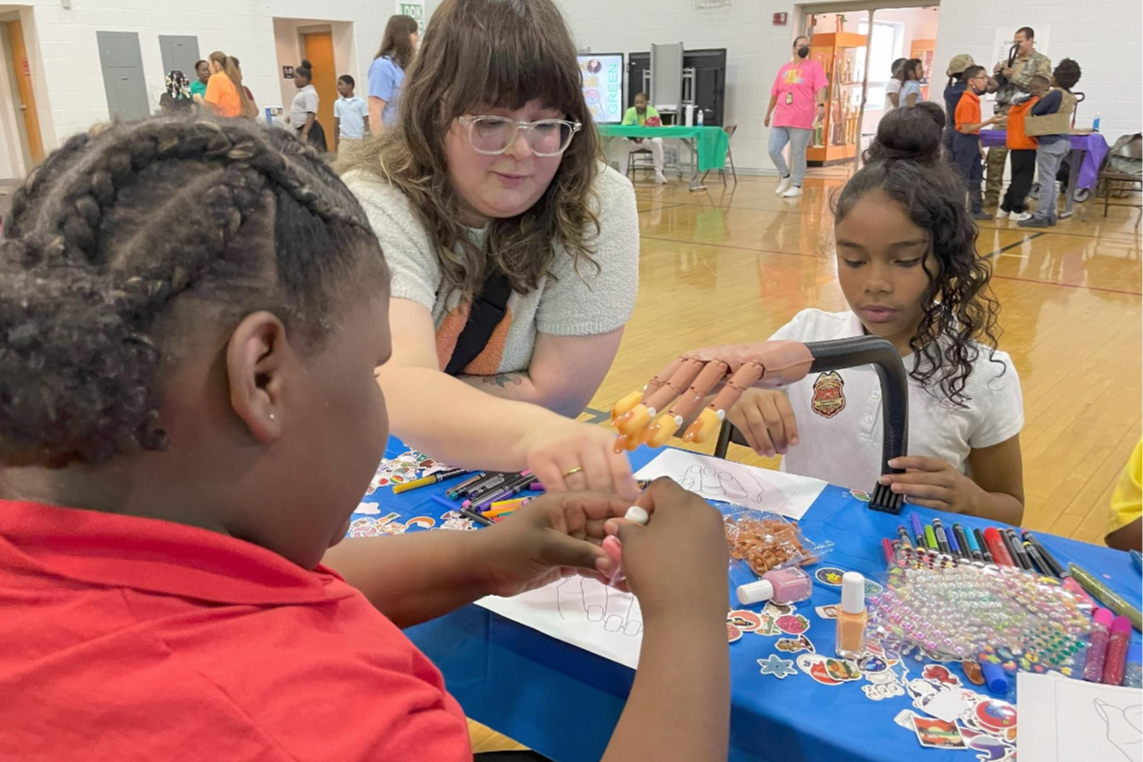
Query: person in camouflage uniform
{"points": [[1013, 80]]}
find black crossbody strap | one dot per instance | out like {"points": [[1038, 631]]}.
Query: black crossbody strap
{"points": [[488, 310]]}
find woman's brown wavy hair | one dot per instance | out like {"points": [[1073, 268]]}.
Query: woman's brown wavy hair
{"points": [[477, 55]]}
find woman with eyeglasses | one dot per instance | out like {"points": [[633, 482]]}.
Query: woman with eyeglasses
{"points": [[513, 249]]}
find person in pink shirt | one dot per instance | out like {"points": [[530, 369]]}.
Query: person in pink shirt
{"points": [[797, 98]]}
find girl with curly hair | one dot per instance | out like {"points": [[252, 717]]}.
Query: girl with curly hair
{"points": [[908, 267]]}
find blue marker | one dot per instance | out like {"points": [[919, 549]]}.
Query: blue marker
{"points": [[1137, 561], [973, 549], [953, 545]]}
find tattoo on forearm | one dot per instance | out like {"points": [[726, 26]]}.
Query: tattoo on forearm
{"points": [[503, 379]]}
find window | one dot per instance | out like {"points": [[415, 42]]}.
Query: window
{"points": [[886, 43]]}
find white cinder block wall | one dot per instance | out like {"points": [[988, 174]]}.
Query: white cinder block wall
{"points": [[1103, 35]]}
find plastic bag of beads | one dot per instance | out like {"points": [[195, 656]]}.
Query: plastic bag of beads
{"points": [[765, 541]]}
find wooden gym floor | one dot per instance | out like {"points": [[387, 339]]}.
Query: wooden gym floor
{"points": [[734, 264]]}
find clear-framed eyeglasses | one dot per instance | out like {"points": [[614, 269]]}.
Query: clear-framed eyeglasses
{"points": [[493, 135]]}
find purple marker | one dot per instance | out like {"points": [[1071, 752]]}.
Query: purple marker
{"points": [[918, 531]]}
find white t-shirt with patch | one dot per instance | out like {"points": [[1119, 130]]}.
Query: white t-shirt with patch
{"points": [[839, 412]]}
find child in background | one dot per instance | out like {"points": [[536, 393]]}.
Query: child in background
{"points": [[967, 154], [1022, 151], [1125, 529], [350, 115], [908, 266], [193, 314], [1051, 122], [953, 90]]}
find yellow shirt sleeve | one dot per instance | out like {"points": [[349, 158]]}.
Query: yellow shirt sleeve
{"points": [[1127, 500], [629, 118]]}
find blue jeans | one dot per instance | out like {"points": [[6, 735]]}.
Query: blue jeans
{"points": [[1049, 156], [966, 161], [798, 140]]}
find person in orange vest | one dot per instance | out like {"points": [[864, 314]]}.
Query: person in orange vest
{"points": [[1022, 151]]}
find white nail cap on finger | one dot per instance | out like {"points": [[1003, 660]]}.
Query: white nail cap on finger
{"points": [[638, 515]]}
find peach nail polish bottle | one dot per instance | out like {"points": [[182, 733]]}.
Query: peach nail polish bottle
{"points": [[851, 617]]}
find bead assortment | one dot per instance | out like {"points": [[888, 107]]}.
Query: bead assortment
{"points": [[955, 608]]}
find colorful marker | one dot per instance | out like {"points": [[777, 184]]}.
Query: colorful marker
{"points": [[508, 490], [930, 538], [903, 536], [1136, 560], [425, 481], [1037, 559], [942, 538], [954, 546], [962, 540], [1057, 569], [1019, 559], [918, 533], [474, 516], [985, 551], [452, 493], [973, 546], [887, 549], [996, 546]]}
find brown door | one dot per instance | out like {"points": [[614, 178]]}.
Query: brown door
{"points": [[319, 52], [22, 70]]}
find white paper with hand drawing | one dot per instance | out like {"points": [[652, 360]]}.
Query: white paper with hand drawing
{"points": [[729, 482], [582, 612]]}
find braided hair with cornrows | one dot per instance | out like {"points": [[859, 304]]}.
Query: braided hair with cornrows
{"points": [[114, 227]]}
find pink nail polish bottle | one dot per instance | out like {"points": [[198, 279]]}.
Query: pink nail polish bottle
{"points": [[790, 585]]}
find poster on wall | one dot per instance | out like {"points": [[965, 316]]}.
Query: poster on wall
{"points": [[414, 8], [1002, 43], [603, 85]]}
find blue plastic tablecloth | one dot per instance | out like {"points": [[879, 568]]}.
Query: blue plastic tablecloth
{"points": [[564, 702]]}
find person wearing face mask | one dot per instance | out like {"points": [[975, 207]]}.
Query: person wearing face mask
{"points": [[796, 100], [514, 250], [966, 145]]}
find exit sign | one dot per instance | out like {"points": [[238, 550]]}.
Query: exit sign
{"points": [[779, 19]]}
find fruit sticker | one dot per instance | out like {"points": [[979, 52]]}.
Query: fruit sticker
{"points": [[792, 624]]}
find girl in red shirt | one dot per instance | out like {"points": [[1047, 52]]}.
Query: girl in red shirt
{"points": [[193, 313]]}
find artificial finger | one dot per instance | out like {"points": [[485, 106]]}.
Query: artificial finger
{"points": [[668, 423], [626, 404], [635, 420], [715, 413]]}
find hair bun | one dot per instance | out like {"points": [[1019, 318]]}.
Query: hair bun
{"points": [[306, 63], [910, 134]]}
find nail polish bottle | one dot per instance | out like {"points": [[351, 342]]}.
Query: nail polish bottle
{"points": [[789, 585], [851, 617]]}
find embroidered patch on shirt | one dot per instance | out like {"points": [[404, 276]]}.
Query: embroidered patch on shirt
{"points": [[829, 396]]}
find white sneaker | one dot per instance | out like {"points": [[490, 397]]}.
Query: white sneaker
{"points": [[784, 185], [1021, 217], [660, 179], [1001, 214], [793, 192]]}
